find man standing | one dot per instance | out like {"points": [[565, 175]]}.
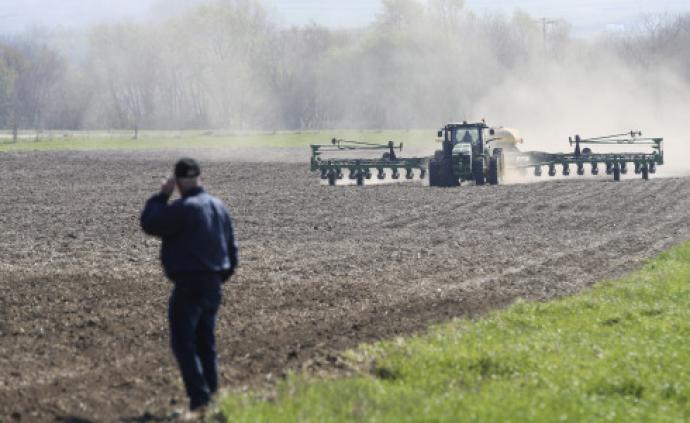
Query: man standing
{"points": [[199, 253]]}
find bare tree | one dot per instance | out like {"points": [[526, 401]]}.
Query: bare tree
{"points": [[11, 65], [28, 72], [127, 66]]}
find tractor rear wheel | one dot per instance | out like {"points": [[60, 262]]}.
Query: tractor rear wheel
{"points": [[434, 177], [478, 171], [441, 173], [494, 170]]}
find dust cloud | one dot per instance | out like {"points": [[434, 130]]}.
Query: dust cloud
{"points": [[550, 103], [230, 65]]}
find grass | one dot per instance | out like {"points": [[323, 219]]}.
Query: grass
{"points": [[617, 352], [166, 140]]}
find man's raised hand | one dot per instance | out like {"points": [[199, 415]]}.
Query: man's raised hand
{"points": [[168, 187]]}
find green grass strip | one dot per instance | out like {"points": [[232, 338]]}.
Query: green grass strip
{"points": [[162, 140], [617, 352]]}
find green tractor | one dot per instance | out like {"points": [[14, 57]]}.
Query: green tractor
{"points": [[481, 154], [467, 155]]}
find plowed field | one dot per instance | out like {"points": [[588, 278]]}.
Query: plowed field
{"points": [[82, 297]]}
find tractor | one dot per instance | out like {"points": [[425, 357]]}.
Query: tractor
{"points": [[467, 155], [475, 152]]}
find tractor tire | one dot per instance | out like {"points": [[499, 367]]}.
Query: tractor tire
{"points": [[449, 179], [478, 171], [494, 170], [645, 173], [441, 174], [434, 173], [617, 172]]}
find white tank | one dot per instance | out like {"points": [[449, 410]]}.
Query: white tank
{"points": [[505, 138]]}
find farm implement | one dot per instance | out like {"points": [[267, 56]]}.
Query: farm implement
{"points": [[474, 152], [360, 170], [616, 164]]}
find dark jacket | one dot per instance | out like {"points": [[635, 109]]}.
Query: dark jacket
{"points": [[196, 231]]}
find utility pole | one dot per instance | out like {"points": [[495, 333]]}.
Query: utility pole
{"points": [[544, 24]]}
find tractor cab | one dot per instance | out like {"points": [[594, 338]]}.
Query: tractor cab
{"points": [[458, 136]]}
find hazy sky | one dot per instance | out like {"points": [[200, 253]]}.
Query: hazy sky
{"points": [[587, 16]]}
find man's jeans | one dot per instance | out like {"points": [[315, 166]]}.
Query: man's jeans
{"points": [[192, 314]]}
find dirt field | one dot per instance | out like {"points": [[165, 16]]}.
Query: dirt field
{"points": [[83, 333]]}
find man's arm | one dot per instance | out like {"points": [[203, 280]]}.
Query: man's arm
{"points": [[158, 218]]}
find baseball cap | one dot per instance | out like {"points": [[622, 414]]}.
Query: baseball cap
{"points": [[187, 168]]}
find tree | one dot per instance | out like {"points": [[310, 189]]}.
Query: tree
{"points": [[293, 68], [447, 12], [126, 61], [11, 65], [28, 74]]}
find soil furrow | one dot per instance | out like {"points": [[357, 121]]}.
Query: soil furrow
{"points": [[82, 306]]}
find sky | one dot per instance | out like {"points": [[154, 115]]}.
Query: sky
{"points": [[586, 16]]}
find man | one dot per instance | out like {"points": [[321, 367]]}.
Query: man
{"points": [[199, 253]]}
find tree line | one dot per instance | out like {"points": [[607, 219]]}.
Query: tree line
{"points": [[228, 64]]}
